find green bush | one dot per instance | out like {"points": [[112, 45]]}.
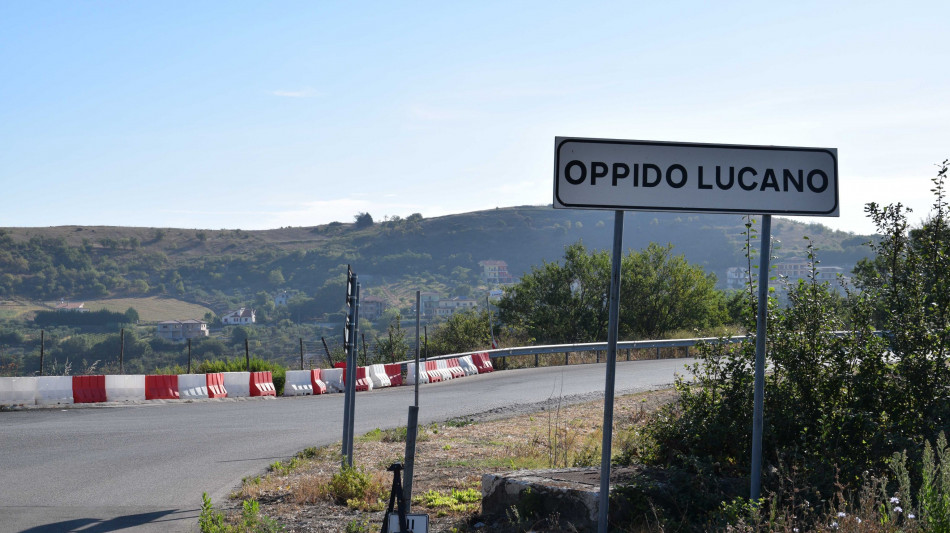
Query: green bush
{"points": [[352, 485], [238, 364], [838, 406]]}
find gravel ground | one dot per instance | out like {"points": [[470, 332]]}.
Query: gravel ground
{"points": [[452, 455]]}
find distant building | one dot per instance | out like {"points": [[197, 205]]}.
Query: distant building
{"points": [[244, 315], [448, 307], [791, 270], [372, 307], [282, 298], [429, 301], [495, 272], [72, 307], [179, 330]]}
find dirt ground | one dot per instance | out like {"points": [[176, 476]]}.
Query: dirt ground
{"points": [[451, 455]]}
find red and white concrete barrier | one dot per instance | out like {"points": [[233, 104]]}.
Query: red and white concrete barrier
{"points": [[298, 383], [18, 390], [54, 390]]}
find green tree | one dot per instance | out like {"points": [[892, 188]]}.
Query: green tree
{"points": [[558, 303], [660, 293], [467, 331], [276, 277], [363, 220], [393, 347]]}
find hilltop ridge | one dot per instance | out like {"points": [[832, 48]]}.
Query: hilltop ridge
{"points": [[221, 267]]}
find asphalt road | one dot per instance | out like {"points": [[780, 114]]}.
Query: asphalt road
{"points": [[145, 466]]}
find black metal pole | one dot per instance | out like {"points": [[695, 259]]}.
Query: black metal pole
{"points": [[189, 356], [301, 353], [327, 349], [758, 407], [247, 356], [613, 319], [121, 349], [42, 349]]}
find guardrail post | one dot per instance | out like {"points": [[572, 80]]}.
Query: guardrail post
{"points": [[657, 352], [567, 356], [536, 360]]}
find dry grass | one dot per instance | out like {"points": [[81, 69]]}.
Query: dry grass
{"points": [[152, 308], [451, 456], [13, 309]]}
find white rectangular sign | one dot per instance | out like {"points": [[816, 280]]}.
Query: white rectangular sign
{"points": [[710, 178]]}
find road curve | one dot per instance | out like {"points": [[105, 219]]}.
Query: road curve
{"points": [[145, 466]]}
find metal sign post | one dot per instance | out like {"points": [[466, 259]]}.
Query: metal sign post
{"points": [[758, 407], [691, 177], [612, 322], [351, 375], [349, 345], [412, 424]]}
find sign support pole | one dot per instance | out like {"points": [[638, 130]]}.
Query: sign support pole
{"points": [[612, 327], [765, 251], [412, 424], [351, 377]]}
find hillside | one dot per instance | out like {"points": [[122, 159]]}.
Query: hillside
{"points": [[222, 268]]}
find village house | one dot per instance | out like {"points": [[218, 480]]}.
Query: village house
{"points": [[791, 270], [72, 307], [495, 272], [179, 330], [429, 301], [372, 307], [448, 307], [242, 316]]}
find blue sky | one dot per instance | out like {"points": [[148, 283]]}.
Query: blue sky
{"points": [[259, 115]]}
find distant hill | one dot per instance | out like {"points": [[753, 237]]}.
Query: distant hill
{"points": [[222, 268]]}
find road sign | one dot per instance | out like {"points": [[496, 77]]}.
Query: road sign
{"points": [[417, 523], [711, 178]]}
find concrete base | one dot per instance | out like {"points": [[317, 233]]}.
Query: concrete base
{"points": [[572, 494]]}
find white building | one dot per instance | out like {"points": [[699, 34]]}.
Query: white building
{"points": [[244, 315], [179, 330]]}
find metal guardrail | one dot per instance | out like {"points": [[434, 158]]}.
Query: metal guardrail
{"points": [[602, 346], [589, 347]]}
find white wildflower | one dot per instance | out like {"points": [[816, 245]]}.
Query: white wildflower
{"points": [[911, 516], [842, 514], [898, 509], [895, 499]]}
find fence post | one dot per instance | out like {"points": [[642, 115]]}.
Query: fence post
{"points": [[536, 360]]}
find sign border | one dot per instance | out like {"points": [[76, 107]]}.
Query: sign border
{"points": [[559, 204]]}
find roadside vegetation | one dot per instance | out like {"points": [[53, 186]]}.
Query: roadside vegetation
{"points": [[179, 274], [854, 421]]}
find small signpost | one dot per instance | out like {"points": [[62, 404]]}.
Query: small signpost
{"points": [[350, 330], [626, 175]]}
